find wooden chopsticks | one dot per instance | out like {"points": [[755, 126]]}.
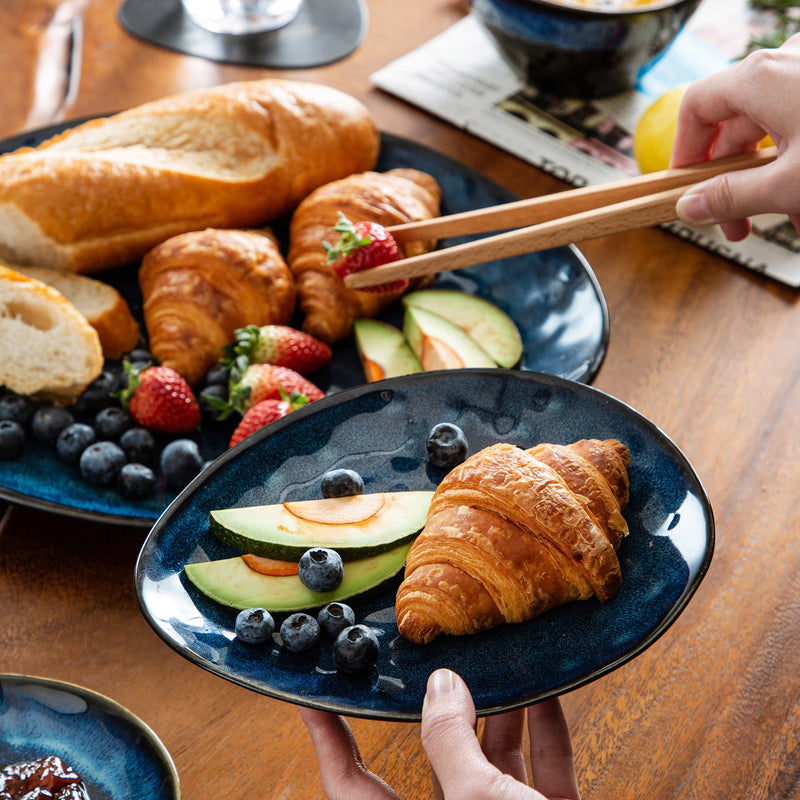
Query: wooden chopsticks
{"points": [[552, 220]]}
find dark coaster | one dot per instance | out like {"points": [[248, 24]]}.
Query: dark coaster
{"points": [[323, 31]]}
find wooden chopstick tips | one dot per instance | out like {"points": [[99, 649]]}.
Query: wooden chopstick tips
{"points": [[554, 220]]}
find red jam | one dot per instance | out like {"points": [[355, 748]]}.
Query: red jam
{"points": [[43, 779]]}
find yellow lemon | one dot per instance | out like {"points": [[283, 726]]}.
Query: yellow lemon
{"points": [[655, 131]]}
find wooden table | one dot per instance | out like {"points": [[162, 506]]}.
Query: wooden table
{"points": [[705, 349]]}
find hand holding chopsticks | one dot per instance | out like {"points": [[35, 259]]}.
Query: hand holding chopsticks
{"points": [[553, 220]]}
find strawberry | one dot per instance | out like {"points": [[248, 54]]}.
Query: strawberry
{"points": [[267, 382], [264, 412], [277, 344], [363, 245], [160, 399]]}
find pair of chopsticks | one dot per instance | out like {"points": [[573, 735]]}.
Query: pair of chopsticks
{"points": [[553, 220]]}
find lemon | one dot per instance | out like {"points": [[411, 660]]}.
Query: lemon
{"points": [[655, 131]]}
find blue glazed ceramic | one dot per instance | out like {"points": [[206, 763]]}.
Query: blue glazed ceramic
{"points": [[380, 430], [580, 52], [116, 754], [553, 297]]}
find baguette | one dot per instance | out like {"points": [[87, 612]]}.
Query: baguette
{"points": [[103, 193], [103, 306], [47, 348]]}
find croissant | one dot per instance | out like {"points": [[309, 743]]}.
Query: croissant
{"points": [[389, 198], [199, 287], [511, 533]]}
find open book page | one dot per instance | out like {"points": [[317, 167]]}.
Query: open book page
{"points": [[460, 77]]}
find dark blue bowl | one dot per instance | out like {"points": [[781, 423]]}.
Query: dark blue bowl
{"points": [[579, 52]]}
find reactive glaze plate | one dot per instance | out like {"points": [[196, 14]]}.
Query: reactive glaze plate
{"points": [[116, 754], [380, 431], [553, 297]]}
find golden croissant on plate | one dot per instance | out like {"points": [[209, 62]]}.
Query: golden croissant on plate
{"points": [[389, 198], [512, 533], [199, 287]]}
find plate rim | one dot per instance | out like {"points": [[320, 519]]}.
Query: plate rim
{"points": [[102, 701], [676, 609]]}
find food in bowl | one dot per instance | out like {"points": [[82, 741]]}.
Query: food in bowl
{"points": [[582, 48], [609, 5]]}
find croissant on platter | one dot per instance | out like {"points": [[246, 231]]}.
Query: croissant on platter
{"points": [[199, 287], [512, 533], [389, 198]]}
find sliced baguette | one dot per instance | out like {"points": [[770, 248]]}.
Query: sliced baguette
{"points": [[103, 306], [103, 193], [47, 348]]}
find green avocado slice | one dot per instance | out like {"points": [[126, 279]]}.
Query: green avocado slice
{"points": [[232, 583], [354, 526]]}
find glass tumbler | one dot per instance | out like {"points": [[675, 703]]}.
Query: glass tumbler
{"points": [[241, 16]]}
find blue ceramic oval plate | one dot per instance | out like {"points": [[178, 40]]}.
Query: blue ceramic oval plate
{"points": [[553, 297], [116, 754], [380, 431]]}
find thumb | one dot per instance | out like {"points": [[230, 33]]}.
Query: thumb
{"points": [[732, 196], [448, 735]]}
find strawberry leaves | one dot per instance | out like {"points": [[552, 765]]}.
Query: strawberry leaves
{"points": [[363, 245]]}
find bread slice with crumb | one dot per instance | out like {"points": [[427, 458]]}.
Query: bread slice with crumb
{"points": [[47, 348], [103, 306]]}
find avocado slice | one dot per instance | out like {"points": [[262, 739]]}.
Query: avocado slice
{"points": [[232, 583], [383, 350], [440, 343], [483, 321], [355, 526]]}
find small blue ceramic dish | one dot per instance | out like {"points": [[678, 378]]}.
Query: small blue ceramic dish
{"points": [[115, 753], [380, 431], [583, 52]]}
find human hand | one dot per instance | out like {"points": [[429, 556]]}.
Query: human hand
{"points": [[463, 767], [729, 113]]}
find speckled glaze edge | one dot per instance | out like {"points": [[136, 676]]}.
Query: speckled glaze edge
{"points": [[101, 701]]}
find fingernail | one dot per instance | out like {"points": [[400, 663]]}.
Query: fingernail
{"points": [[440, 682], [693, 208]]}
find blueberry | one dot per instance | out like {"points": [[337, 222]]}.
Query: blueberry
{"points": [[140, 354], [12, 440], [355, 650], [335, 617], [218, 375], [446, 445], [101, 462], [17, 408], [320, 569], [136, 481], [139, 445], [299, 632], [341, 483], [73, 440], [254, 625], [208, 396], [98, 394], [48, 422], [110, 423], [180, 462]]}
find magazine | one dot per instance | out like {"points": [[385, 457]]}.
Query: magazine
{"points": [[587, 142]]}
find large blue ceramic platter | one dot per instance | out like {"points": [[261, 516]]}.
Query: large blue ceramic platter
{"points": [[553, 297], [380, 430], [115, 753]]}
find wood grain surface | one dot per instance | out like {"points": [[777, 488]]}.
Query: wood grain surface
{"points": [[707, 350]]}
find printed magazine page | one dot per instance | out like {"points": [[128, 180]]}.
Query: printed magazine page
{"points": [[587, 142]]}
